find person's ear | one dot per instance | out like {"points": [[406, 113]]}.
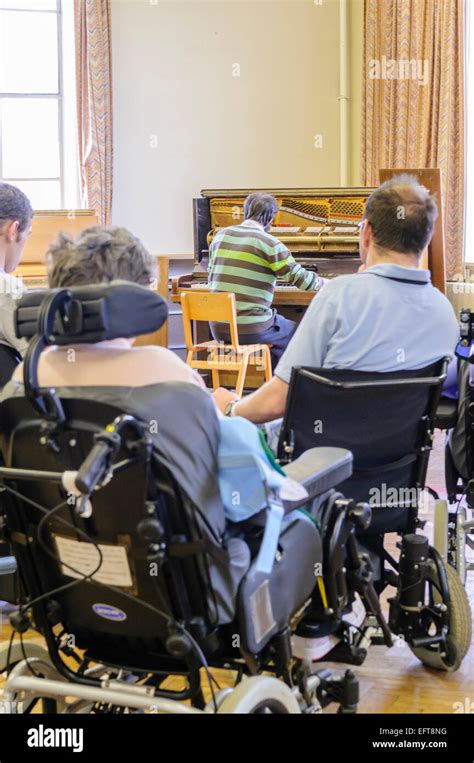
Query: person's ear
{"points": [[366, 235], [11, 231]]}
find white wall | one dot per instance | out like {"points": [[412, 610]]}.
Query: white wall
{"points": [[173, 84]]}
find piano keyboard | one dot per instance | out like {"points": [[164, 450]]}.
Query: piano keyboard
{"points": [[204, 286]]}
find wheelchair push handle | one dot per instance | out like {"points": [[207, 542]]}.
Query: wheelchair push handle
{"points": [[97, 463]]}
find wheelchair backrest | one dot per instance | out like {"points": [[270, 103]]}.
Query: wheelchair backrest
{"points": [[145, 532], [385, 419]]}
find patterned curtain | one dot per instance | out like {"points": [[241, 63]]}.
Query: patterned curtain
{"points": [[94, 103], [413, 100]]}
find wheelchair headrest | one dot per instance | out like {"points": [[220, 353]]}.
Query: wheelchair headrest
{"points": [[90, 314]]}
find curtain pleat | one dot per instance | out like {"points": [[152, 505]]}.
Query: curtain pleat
{"points": [[413, 123], [94, 103]]}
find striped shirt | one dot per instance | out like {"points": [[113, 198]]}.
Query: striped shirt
{"points": [[246, 260]]}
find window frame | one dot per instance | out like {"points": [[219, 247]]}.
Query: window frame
{"points": [[59, 97]]}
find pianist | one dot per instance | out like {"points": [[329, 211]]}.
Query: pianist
{"points": [[246, 260], [16, 216], [388, 317]]}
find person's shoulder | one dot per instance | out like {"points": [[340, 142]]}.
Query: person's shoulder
{"points": [[272, 241], [441, 303], [165, 365], [257, 234], [11, 286], [159, 353]]}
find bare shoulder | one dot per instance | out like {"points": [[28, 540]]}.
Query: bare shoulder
{"points": [[164, 365]]}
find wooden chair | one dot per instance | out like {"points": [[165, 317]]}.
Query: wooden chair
{"points": [[220, 307]]}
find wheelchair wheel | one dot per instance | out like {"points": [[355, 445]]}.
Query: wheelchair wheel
{"points": [[260, 695], [460, 628]]}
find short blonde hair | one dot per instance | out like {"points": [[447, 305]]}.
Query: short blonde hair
{"points": [[100, 254]]}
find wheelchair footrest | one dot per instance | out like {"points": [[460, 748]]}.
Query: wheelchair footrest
{"points": [[347, 653]]}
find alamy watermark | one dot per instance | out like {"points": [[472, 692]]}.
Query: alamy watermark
{"points": [[413, 69]]}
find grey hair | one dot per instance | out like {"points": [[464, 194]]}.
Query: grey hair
{"points": [[261, 207], [15, 205], [100, 254]]}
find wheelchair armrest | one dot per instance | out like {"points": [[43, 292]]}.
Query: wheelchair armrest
{"points": [[318, 470], [446, 413]]}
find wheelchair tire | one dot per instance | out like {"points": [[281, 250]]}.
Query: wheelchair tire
{"points": [[460, 630], [259, 695]]}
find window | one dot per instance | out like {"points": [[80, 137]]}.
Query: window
{"points": [[37, 101]]}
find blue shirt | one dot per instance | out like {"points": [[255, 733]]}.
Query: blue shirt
{"points": [[387, 318]]}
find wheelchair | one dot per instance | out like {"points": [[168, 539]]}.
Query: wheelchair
{"points": [[386, 420], [125, 561], [454, 518]]}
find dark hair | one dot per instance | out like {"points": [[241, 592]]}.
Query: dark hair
{"points": [[402, 214], [100, 254], [261, 207], [15, 205]]}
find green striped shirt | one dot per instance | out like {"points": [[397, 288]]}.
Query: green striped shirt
{"points": [[246, 260]]}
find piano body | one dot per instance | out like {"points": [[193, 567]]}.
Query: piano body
{"points": [[45, 229], [318, 225]]}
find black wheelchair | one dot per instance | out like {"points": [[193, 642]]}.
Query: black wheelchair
{"points": [[454, 520], [387, 422], [126, 564]]}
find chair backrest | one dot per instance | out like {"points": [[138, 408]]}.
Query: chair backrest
{"points": [[385, 419], [139, 509], [213, 307], [9, 359]]}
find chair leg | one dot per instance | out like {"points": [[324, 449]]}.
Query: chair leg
{"points": [[214, 371], [239, 387], [215, 378]]}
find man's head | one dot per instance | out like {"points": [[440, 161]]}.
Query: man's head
{"points": [[16, 214], [399, 222], [261, 207], [100, 254]]}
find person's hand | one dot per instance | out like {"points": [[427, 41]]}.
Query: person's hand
{"points": [[222, 397]]}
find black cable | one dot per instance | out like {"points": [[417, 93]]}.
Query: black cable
{"points": [[10, 645]]}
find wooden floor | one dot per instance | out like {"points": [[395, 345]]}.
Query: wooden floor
{"points": [[392, 680]]}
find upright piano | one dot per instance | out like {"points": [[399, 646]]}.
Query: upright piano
{"points": [[318, 225], [47, 224]]}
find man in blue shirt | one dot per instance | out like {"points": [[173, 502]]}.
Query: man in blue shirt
{"points": [[387, 317]]}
